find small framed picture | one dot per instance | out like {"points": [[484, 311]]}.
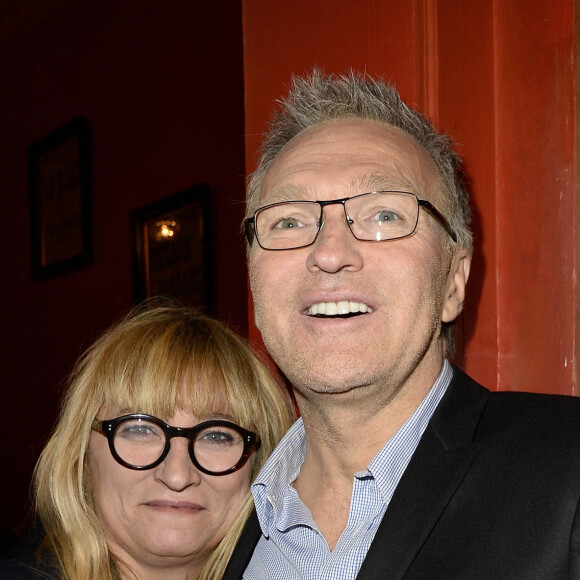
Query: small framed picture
{"points": [[59, 189], [171, 249]]}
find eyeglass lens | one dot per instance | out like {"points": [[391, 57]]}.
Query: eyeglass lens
{"points": [[373, 216], [140, 442]]}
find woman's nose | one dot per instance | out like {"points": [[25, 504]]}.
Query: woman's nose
{"points": [[177, 471]]}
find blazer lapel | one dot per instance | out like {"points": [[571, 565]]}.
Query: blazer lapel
{"points": [[435, 472], [244, 549]]}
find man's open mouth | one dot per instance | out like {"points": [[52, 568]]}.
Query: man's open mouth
{"points": [[342, 309]]}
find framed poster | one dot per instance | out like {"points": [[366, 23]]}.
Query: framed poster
{"points": [[59, 189], [171, 249]]}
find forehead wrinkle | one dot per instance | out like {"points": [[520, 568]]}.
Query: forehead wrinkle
{"points": [[404, 178], [357, 185], [287, 192], [378, 182], [396, 176]]}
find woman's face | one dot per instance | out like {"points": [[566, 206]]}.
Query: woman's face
{"points": [[171, 515]]}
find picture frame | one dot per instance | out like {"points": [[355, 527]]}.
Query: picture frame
{"points": [[60, 200], [171, 248]]}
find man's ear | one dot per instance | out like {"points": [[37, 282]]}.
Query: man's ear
{"points": [[456, 282]]}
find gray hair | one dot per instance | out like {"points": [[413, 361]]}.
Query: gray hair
{"points": [[320, 97]]}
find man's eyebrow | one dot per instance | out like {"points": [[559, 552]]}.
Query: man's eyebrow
{"points": [[376, 182], [362, 184], [288, 192]]}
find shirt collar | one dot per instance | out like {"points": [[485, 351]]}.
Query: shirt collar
{"points": [[283, 465], [388, 465], [277, 474]]}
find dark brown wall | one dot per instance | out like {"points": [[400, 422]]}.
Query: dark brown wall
{"points": [[161, 84]]}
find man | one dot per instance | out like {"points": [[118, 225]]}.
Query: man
{"points": [[400, 466]]}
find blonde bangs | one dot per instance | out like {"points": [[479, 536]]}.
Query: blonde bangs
{"points": [[194, 365], [223, 380], [143, 375]]}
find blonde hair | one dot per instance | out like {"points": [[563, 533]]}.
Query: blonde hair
{"points": [[155, 361]]}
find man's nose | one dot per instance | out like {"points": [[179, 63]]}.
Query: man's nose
{"points": [[335, 248]]}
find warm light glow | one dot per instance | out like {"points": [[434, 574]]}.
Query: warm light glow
{"points": [[166, 229]]}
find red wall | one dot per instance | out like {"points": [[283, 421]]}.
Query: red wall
{"points": [[162, 87], [499, 77], [161, 84]]}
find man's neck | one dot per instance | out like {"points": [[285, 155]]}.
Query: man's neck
{"points": [[344, 432]]}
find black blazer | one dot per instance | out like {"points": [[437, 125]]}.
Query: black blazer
{"points": [[491, 492]]}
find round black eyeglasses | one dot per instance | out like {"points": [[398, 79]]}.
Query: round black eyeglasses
{"points": [[377, 216], [139, 441]]}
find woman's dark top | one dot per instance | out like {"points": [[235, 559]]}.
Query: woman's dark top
{"points": [[20, 561], [27, 568]]}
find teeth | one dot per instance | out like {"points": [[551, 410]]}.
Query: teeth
{"points": [[338, 308]]}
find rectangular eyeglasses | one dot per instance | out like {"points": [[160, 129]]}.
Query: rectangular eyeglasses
{"points": [[377, 216]]}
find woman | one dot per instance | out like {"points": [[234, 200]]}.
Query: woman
{"points": [[166, 420]]}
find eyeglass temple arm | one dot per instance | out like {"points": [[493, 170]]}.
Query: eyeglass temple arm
{"points": [[250, 229], [439, 217]]}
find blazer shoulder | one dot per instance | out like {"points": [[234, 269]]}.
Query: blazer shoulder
{"points": [[542, 418]]}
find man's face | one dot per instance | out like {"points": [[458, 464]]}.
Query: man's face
{"points": [[408, 286]]}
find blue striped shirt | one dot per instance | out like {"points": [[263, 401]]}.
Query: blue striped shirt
{"points": [[292, 546]]}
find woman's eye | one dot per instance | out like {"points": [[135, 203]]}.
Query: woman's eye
{"points": [[137, 431], [217, 438]]}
